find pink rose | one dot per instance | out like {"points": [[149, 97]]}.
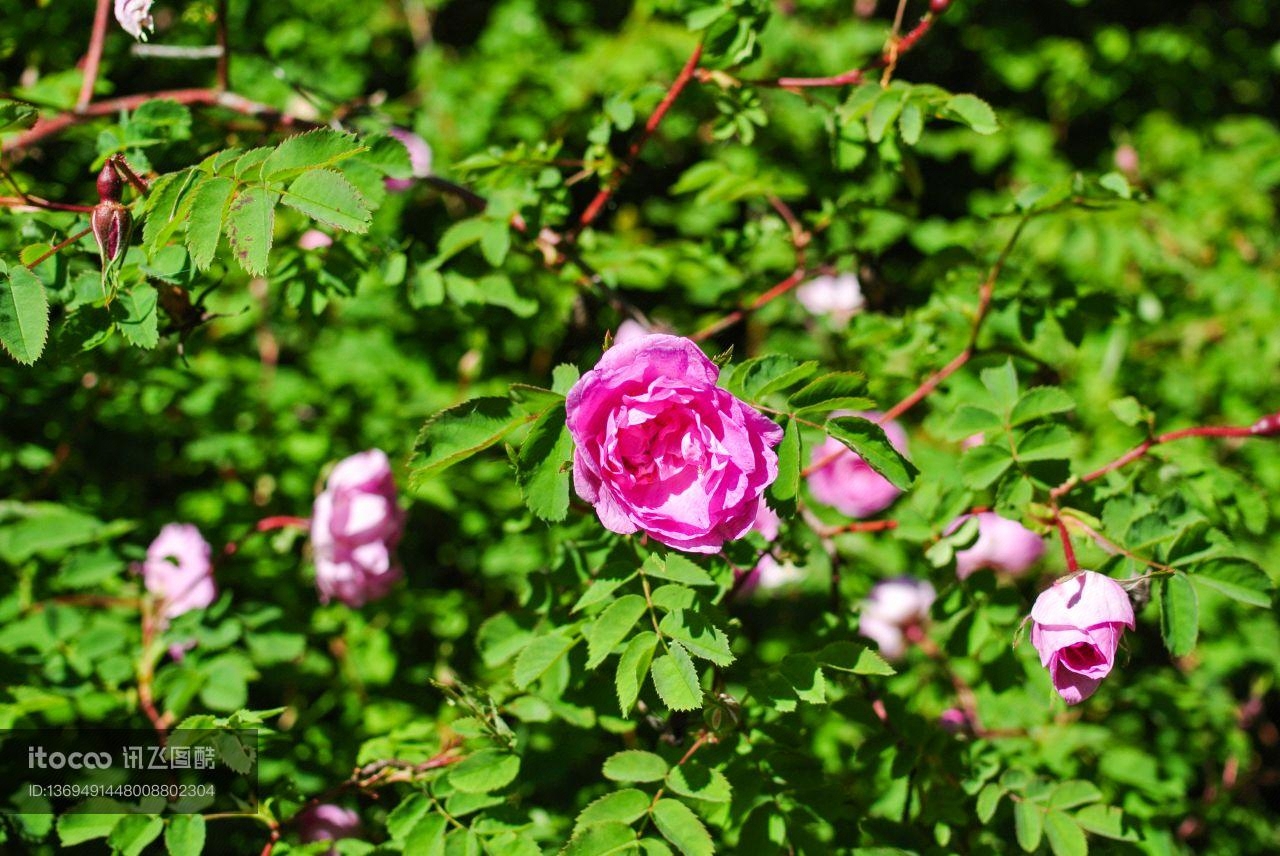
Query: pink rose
{"points": [[1003, 545], [314, 239], [629, 330], [660, 449], [327, 822], [846, 482], [178, 569], [419, 159], [133, 16], [839, 297], [355, 527], [892, 610], [1076, 627], [955, 721]]}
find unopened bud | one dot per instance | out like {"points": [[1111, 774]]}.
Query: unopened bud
{"points": [[110, 184], [110, 222], [937, 7], [1267, 425]]}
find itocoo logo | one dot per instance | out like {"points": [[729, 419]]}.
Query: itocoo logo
{"points": [[38, 757]]}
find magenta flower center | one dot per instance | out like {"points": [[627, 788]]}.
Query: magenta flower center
{"points": [[1081, 657]]}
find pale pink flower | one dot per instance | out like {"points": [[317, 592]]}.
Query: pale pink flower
{"points": [[355, 527], [838, 297], [327, 822], [314, 239], [135, 17], [1076, 628], [769, 573], [419, 159], [660, 449], [179, 570], [1003, 545], [629, 330], [893, 608], [846, 482]]}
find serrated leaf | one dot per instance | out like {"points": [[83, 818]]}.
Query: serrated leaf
{"points": [[1002, 382], [427, 836], [248, 167], [624, 806], [1028, 824], [167, 208], [679, 825], [539, 656], [676, 679], [76, 827], [136, 316], [133, 833], [250, 226], [635, 765], [676, 568], [404, 817], [753, 379], [1238, 579], [1072, 793], [612, 626], [786, 487], [1130, 411], [1050, 442], [633, 665], [542, 465], [868, 440], [982, 465], [1104, 820], [988, 801], [24, 314], [314, 149], [972, 111], [185, 835], [831, 392], [1064, 834], [1179, 614], [700, 782], [210, 204], [969, 420], [327, 197], [883, 113], [698, 635], [485, 771], [1040, 401], [602, 839], [460, 432]]}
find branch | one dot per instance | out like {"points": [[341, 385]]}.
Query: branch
{"points": [[606, 192], [94, 55], [224, 56]]}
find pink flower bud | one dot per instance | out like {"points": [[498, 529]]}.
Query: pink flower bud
{"points": [[1267, 425], [355, 527], [839, 297], [846, 482], [110, 184], [953, 720], [1076, 628], [891, 609], [134, 16], [327, 822], [419, 159], [1126, 159], [1003, 545], [179, 571], [314, 239], [111, 223]]}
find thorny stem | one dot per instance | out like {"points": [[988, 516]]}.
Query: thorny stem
{"points": [[94, 55], [122, 166]]}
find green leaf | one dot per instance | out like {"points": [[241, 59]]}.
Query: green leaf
{"points": [[542, 465], [1179, 614], [676, 679], [1072, 793], [982, 465], [972, 111], [185, 835], [1064, 834], [1028, 824], [250, 226], [539, 656], [1051, 442], [1238, 579], [699, 636], [210, 205], [495, 242], [461, 431], [868, 440], [484, 771], [1130, 411], [76, 827], [327, 197], [135, 314], [1002, 382], [679, 825], [786, 487], [1040, 401], [612, 627], [311, 150], [633, 665], [753, 379], [835, 391], [1117, 184], [988, 801], [911, 123], [24, 314], [602, 839], [969, 420], [404, 817], [624, 806], [883, 113], [635, 765], [167, 208], [134, 832], [852, 657], [700, 782], [248, 167], [676, 568], [1104, 820], [427, 836]]}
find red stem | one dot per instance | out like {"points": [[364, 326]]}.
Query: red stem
{"points": [[224, 58], [1067, 550], [59, 246], [895, 49], [37, 202], [94, 55], [266, 524], [606, 192]]}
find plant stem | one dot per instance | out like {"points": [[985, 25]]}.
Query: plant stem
{"points": [[94, 55]]}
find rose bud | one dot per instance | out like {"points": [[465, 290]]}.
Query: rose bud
{"points": [[111, 223], [953, 720], [893, 611], [327, 822], [846, 482], [178, 570], [134, 16], [419, 159], [1003, 545], [1076, 628], [660, 449], [838, 297], [355, 527]]}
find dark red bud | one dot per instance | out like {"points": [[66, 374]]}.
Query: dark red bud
{"points": [[110, 222], [110, 184], [1267, 425], [937, 7]]}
